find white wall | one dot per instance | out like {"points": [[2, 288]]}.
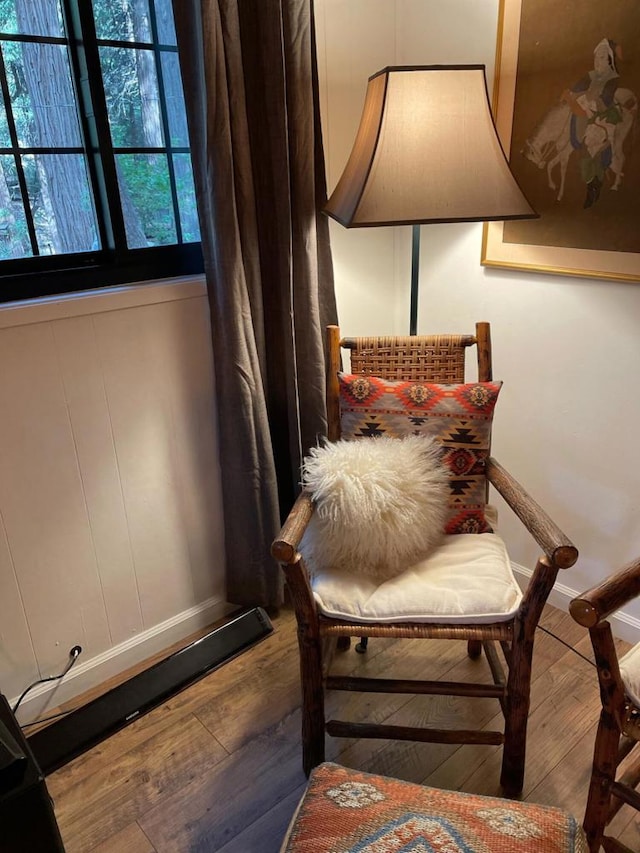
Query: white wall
{"points": [[110, 508], [568, 349]]}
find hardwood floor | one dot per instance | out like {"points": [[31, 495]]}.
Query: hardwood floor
{"points": [[218, 766]]}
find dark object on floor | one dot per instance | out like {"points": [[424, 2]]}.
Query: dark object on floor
{"points": [[67, 738], [618, 735], [13, 760], [27, 821]]}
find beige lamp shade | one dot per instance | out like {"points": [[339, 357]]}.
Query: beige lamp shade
{"points": [[427, 151]]}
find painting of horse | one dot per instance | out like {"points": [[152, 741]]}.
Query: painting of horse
{"points": [[551, 145], [566, 108]]}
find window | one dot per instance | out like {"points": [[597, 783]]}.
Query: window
{"points": [[96, 185]]}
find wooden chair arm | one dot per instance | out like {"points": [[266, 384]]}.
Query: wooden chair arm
{"points": [[285, 547], [601, 601], [558, 548]]}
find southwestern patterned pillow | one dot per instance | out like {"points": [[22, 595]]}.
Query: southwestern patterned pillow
{"points": [[458, 416]]}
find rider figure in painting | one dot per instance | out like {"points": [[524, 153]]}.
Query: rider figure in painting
{"points": [[595, 115]]}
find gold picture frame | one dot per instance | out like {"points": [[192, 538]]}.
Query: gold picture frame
{"points": [[577, 63]]}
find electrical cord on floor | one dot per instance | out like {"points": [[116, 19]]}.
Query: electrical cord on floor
{"points": [[570, 647], [74, 654]]}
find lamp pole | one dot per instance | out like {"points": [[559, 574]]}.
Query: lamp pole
{"points": [[415, 274]]}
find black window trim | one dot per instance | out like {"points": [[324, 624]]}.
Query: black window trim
{"points": [[114, 264]]}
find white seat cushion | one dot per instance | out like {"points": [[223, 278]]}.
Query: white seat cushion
{"points": [[630, 672], [466, 579]]}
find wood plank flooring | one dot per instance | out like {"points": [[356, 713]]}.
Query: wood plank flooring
{"points": [[218, 766]]}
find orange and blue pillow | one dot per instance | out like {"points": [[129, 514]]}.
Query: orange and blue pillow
{"points": [[459, 417]]}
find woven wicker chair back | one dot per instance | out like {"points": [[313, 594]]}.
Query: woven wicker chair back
{"points": [[433, 358]]}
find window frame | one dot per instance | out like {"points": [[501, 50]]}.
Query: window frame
{"points": [[115, 263]]}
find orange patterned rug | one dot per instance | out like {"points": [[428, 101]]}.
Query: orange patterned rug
{"points": [[346, 811]]}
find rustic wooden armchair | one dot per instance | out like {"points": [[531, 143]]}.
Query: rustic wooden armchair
{"points": [[618, 734], [426, 359]]}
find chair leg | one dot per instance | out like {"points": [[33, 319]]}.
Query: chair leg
{"points": [[518, 698], [516, 718], [602, 774], [343, 644], [361, 647], [313, 723], [474, 649]]}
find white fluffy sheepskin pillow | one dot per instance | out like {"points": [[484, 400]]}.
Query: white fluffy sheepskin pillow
{"points": [[381, 504]]}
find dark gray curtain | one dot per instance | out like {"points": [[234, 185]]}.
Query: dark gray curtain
{"points": [[249, 74]]}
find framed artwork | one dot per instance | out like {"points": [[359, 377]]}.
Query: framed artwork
{"points": [[566, 110]]}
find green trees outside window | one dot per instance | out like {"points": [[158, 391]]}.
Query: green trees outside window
{"points": [[96, 185]]}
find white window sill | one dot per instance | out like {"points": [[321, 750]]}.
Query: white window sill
{"points": [[98, 301]]}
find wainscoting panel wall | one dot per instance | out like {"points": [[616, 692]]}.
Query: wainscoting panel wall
{"points": [[110, 505]]}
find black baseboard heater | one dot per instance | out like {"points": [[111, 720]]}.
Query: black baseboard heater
{"points": [[65, 739]]}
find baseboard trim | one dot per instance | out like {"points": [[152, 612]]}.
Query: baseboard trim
{"points": [[113, 661], [623, 625]]}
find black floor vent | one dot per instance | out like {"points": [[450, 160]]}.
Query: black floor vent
{"points": [[72, 735]]}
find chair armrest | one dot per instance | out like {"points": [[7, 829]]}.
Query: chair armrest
{"points": [[558, 548], [285, 547], [601, 601]]}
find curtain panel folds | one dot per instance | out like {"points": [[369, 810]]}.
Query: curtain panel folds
{"points": [[250, 81]]}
